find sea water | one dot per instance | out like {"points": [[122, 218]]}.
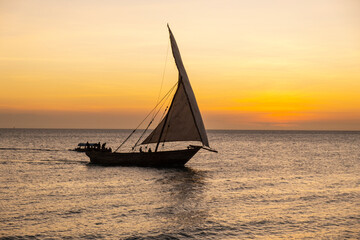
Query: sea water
{"points": [[261, 185]]}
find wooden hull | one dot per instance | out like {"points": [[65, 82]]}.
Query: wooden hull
{"points": [[176, 158]]}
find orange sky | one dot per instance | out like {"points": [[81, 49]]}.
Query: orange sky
{"points": [[266, 64]]}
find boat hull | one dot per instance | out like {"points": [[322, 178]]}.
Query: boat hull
{"points": [[176, 158]]}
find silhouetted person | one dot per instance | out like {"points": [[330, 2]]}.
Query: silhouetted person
{"points": [[141, 149], [103, 146], [87, 145], [150, 150]]}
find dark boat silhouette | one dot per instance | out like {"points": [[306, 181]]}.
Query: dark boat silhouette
{"points": [[182, 122]]}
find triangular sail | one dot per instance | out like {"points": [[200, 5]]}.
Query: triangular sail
{"points": [[183, 121]]}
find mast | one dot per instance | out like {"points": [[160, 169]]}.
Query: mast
{"points": [[166, 118]]}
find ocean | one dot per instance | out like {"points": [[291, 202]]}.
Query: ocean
{"points": [[261, 185]]}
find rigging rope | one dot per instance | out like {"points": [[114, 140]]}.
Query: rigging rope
{"points": [[163, 74], [157, 100], [136, 144], [166, 95]]}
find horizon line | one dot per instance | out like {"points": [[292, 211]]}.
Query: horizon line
{"points": [[212, 129]]}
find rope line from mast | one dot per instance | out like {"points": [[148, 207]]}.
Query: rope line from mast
{"points": [[166, 95], [163, 74], [155, 114]]}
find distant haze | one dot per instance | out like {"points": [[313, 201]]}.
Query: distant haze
{"points": [[267, 64]]}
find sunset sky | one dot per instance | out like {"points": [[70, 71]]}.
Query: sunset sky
{"points": [[253, 64]]}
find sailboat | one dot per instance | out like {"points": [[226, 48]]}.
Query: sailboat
{"points": [[182, 122]]}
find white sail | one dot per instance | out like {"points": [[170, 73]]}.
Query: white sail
{"points": [[183, 121]]}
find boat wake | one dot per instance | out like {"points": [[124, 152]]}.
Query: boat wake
{"points": [[62, 161], [43, 162], [32, 149]]}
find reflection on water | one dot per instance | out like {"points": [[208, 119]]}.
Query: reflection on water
{"points": [[184, 199], [273, 185]]}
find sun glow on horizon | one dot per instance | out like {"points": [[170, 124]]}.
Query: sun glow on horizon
{"points": [[252, 64]]}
